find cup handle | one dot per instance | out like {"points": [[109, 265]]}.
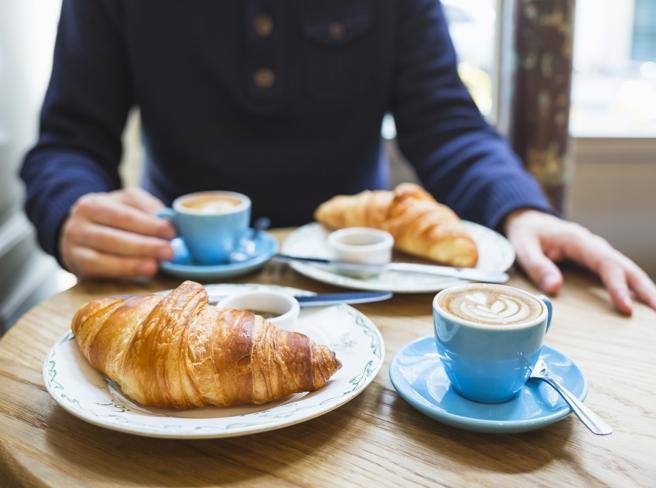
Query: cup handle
{"points": [[549, 305], [167, 214]]}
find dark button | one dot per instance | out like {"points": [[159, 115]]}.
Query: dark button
{"points": [[337, 29], [264, 78], [262, 25]]}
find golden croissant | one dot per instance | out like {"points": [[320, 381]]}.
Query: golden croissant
{"points": [[178, 351], [419, 224]]}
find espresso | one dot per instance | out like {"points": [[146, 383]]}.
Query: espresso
{"points": [[491, 305], [211, 204]]}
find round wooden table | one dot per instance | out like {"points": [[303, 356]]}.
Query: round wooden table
{"points": [[376, 439]]}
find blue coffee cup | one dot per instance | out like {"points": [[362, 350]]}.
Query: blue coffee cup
{"points": [[211, 233], [489, 363]]}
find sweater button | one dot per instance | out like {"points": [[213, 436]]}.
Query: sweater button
{"points": [[262, 25], [264, 78]]}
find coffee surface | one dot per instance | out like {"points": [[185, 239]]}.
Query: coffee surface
{"points": [[211, 204], [491, 306]]}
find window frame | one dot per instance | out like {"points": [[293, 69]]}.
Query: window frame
{"points": [[584, 149]]}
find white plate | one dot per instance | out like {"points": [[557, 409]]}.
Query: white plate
{"points": [[87, 394], [495, 254]]}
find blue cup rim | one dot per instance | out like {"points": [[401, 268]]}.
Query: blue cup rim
{"points": [[491, 327], [244, 205]]}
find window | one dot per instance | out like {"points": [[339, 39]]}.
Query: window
{"points": [[643, 47], [472, 25], [614, 83]]}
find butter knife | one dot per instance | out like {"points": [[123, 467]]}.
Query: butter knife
{"points": [[469, 274], [327, 299], [318, 300]]}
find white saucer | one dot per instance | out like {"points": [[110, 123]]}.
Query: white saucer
{"points": [[496, 254], [85, 393]]}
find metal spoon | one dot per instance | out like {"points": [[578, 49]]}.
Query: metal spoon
{"points": [[590, 419], [247, 249]]}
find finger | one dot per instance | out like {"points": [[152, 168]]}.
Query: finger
{"points": [[92, 263], [642, 285], [109, 212], [583, 247], [123, 243], [555, 254], [141, 199], [542, 271], [614, 279]]}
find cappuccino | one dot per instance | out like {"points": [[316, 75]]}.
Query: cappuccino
{"points": [[491, 305], [210, 204], [489, 337]]}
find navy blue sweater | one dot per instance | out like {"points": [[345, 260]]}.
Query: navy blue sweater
{"points": [[281, 100]]}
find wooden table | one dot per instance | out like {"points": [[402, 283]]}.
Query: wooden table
{"points": [[375, 440]]}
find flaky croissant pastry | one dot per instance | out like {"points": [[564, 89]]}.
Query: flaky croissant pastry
{"points": [[419, 224], [180, 352]]}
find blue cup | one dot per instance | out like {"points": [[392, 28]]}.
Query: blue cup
{"points": [[489, 363], [210, 234]]}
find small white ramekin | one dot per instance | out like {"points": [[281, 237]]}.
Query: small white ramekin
{"points": [[285, 306], [362, 245]]}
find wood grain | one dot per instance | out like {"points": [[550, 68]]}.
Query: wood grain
{"points": [[375, 439]]}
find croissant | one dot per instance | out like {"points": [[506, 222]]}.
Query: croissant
{"points": [[419, 224], [180, 352]]}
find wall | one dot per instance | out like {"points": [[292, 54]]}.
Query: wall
{"points": [[613, 193]]}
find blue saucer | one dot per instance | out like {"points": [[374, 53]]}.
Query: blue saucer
{"points": [[264, 246], [418, 376]]}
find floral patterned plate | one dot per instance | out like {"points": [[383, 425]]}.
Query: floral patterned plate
{"points": [[87, 394], [495, 254]]}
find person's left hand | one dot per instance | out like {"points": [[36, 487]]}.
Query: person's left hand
{"points": [[541, 240]]}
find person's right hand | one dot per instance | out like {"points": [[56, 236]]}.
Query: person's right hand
{"points": [[115, 235]]}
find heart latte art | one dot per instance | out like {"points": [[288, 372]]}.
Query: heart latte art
{"points": [[492, 305]]}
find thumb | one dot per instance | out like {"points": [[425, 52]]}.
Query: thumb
{"points": [[542, 271]]}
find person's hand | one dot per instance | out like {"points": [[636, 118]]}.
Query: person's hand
{"points": [[541, 240], [115, 235]]}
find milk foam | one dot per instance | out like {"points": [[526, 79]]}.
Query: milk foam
{"points": [[492, 306], [211, 204], [216, 206]]}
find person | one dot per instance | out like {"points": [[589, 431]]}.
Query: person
{"points": [[282, 101]]}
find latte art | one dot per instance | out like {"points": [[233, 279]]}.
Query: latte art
{"points": [[210, 204], [492, 305], [216, 206]]}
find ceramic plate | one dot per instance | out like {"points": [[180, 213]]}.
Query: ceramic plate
{"points": [[182, 265], [87, 394], [418, 376], [496, 254]]}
